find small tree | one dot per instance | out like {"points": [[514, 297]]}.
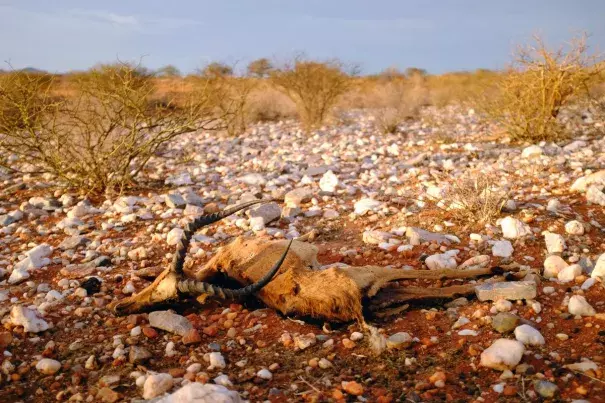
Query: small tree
{"points": [[215, 70], [260, 68], [168, 71], [538, 84], [315, 87], [103, 135]]}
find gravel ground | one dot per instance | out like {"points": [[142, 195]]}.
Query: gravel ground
{"points": [[64, 257]]}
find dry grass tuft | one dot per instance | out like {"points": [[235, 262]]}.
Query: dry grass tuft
{"points": [[475, 200]]}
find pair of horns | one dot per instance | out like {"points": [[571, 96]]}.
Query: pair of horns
{"points": [[195, 287]]}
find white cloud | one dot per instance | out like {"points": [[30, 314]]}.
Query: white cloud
{"points": [[131, 21]]}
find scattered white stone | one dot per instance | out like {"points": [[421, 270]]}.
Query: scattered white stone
{"points": [[574, 228], [22, 316], [174, 236], [156, 385], [595, 195], [553, 266], [503, 354], [265, 374], [529, 336], [356, 336], [512, 290], [579, 306], [502, 248], [440, 261], [196, 392], [216, 361], [513, 228], [599, 268], [47, 366], [532, 151], [170, 322], [569, 273], [582, 184], [364, 205], [18, 275], [555, 243], [328, 182], [503, 305]]}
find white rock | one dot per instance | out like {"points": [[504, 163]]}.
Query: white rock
{"points": [[569, 273], [47, 366], [503, 354], [553, 265], [269, 212], [502, 248], [441, 261], [223, 380], [579, 306], [174, 236], [513, 228], [264, 374], [599, 268], [328, 182], [574, 227], [582, 184], [216, 361], [595, 195], [555, 243], [38, 254], [170, 322], [503, 305], [257, 224], [18, 276], [22, 316], [355, 336], [196, 392], [532, 151], [364, 205], [253, 179], [589, 282], [156, 385], [529, 336], [376, 237]]}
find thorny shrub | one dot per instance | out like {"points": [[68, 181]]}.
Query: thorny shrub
{"points": [[315, 88], [103, 135], [538, 85]]}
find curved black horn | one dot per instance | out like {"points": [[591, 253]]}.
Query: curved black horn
{"points": [[191, 228], [199, 287]]}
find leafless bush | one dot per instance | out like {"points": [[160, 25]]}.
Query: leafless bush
{"points": [[539, 83], [101, 137], [315, 87], [398, 100]]}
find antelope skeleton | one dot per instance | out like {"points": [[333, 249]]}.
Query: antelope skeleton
{"points": [[285, 276]]}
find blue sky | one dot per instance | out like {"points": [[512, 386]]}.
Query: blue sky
{"points": [[439, 36]]}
